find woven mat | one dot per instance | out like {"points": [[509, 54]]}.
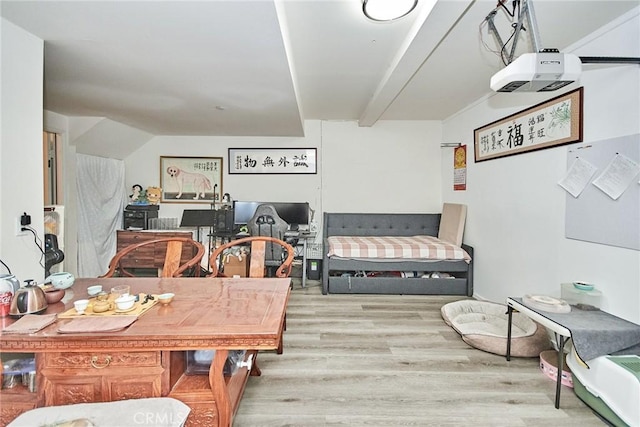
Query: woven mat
{"points": [[137, 310]]}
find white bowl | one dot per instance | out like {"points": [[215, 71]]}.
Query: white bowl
{"points": [[125, 302], [61, 280], [94, 290]]}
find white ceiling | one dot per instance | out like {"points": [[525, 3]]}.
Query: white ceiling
{"points": [[259, 68]]}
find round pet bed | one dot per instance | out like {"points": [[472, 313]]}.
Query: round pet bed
{"points": [[483, 325]]}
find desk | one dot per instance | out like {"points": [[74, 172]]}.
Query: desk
{"points": [[305, 237], [146, 359]]}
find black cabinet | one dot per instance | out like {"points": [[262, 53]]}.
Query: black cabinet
{"points": [[137, 217]]}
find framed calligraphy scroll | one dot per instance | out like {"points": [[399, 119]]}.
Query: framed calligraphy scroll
{"points": [[272, 161], [555, 122], [190, 179]]}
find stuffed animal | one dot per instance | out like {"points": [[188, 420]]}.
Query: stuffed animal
{"points": [[154, 194], [137, 193]]}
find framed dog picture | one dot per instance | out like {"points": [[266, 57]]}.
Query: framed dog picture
{"points": [[191, 179]]}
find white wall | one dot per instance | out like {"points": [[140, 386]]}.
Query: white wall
{"points": [[21, 181], [516, 208], [391, 167], [143, 167]]}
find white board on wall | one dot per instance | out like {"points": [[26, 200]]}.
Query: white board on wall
{"points": [[594, 216]]}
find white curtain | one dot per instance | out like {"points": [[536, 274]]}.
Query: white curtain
{"points": [[101, 199]]}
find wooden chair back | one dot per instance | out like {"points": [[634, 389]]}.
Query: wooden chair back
{"points": [[175, 255], [257, 265]]}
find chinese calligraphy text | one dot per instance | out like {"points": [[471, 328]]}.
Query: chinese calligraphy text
{"points": [[557, 121], [272, 161]]}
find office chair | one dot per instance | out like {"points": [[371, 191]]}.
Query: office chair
{"points": [[267, 222], [52, 253]]}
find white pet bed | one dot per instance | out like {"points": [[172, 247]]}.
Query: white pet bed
{"points": [[483, 325], [154, 411]]}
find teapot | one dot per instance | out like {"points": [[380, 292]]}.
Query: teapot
{"points": [[102, 303], [29, 299], [60, 280]]}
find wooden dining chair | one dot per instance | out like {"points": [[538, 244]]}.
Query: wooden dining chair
{"points": [[172, 256], [257, 265], [257, 256]]}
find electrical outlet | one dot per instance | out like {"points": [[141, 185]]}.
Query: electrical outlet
{"points": [[25, 219], [19, 227]]}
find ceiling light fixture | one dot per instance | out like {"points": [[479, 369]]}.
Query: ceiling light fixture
{"points": [[387, 10]]}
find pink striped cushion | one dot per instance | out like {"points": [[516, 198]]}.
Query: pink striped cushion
{"points": [[395, 247]]}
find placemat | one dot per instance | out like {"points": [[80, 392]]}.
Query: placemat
{"points": [[96, 324], [138, 309], [30, 323]]}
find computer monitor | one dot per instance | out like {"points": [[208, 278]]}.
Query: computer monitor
{"points": [[243, 211], [291, 213]]}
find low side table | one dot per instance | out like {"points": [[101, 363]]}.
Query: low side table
{"points": [[561, 333], [594, 333]]}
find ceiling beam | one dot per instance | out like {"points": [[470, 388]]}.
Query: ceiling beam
{"points": [[430, 28]]}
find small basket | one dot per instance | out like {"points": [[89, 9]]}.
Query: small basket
{"points": [[314, 251], [549, 367]]}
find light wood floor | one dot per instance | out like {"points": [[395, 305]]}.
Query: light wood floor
{"points": [[368, 360]]}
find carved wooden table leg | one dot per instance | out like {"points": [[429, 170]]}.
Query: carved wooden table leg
{"points": [[219, 388], [255, 369]]}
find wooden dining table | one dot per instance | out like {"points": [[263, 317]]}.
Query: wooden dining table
{"points": [[148, 358]]}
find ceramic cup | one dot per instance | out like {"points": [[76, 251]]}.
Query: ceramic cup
{"points": [[165, 298], [81, 305]]}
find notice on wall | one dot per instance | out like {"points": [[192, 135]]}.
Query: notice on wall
{"points": [[460, 168], [578, 176], [618, 175], [607, 211]]}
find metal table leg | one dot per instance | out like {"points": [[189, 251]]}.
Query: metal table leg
{"points": [[304, 262], [560, 341], [510, 313]]}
